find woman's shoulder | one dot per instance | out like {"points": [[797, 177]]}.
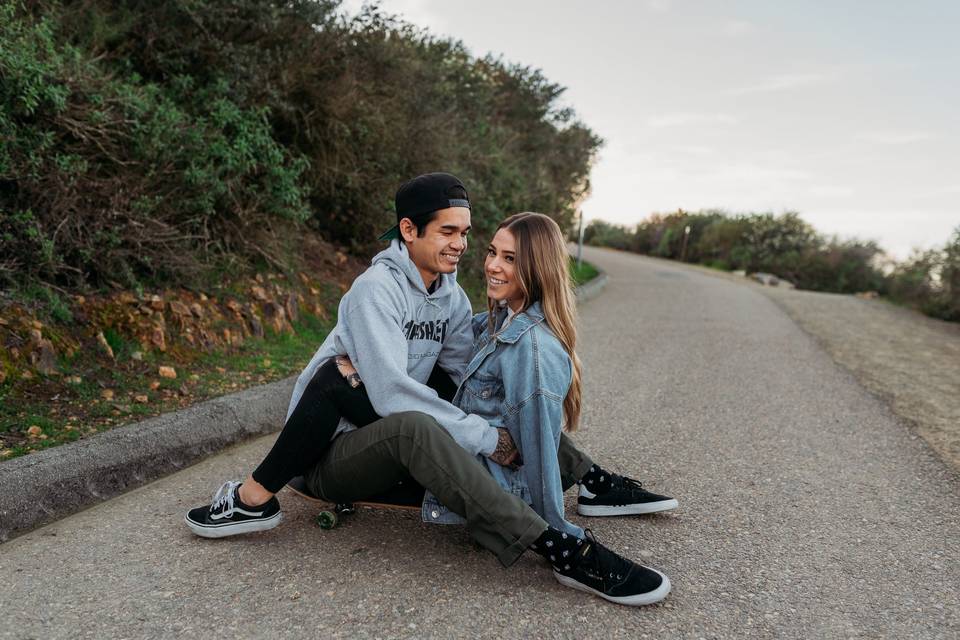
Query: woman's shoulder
{"points": [[546, 339], [540, 340], [541, 354]]}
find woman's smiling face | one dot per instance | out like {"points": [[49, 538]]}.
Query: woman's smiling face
{"points": [[503, 281]]}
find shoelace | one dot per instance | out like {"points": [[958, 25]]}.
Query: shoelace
{"points": [[627, 484], [607, 565], [223, 498]]}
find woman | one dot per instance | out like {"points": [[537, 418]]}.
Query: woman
{"points": [[525, 374]]}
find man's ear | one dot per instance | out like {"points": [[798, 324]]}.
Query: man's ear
{"points": [[408, 230]]}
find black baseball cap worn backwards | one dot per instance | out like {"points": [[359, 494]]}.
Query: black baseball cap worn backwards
{"points": [[418, 198]]}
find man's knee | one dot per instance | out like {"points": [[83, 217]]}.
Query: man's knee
{"points": [[325, 378], [419, 428], [415, 423]]}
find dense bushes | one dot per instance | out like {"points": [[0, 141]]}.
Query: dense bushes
{"points": [[930, 280], [162, 142], [790, 248], [113, 176]]}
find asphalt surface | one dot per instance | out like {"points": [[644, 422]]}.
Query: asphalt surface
{"points": [[806, 510]]}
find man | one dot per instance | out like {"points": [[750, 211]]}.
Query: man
{"points": [[405, 323]]}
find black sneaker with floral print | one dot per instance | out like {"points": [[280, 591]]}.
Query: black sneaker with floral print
{"points": [[598, 570]]}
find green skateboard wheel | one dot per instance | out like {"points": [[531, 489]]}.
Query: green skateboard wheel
{"points": [[326, 520]]}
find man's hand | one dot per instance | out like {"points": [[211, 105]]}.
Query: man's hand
{"points": [[506, 454], [347, 370]]}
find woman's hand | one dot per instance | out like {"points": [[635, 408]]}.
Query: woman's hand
{"points": [[348, 371], [506, 454]]}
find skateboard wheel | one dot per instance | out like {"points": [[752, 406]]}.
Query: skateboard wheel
{"points": [[326, 520]]}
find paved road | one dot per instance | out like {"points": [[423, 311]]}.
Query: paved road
{"points": [[807, 510]]}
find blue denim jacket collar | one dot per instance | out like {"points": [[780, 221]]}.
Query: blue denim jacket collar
{"points": [[522, 322]]}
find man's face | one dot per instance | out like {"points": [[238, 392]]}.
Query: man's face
{"points": [[443, 242]]}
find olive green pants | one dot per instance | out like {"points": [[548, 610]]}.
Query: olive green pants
{"points": [[373, 459], [574, 463]]}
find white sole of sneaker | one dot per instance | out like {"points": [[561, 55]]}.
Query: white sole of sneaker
{"points": [[233, 528], [627, 509], [638, 600]]}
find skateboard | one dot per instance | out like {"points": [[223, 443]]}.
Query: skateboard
{"points": [[403, 497]]}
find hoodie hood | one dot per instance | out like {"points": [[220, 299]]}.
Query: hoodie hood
{"points": [[397, 259]]}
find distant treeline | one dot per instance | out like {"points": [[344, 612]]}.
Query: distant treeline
{"points": [[167, 142], [791, 249]]}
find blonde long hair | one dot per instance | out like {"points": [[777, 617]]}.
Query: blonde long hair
{"points": [[544, 275]]}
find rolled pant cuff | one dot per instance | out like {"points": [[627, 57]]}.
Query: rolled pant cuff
{"points": [[512, 553], [582, 467]]}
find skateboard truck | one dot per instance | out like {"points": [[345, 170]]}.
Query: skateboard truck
{"points": [[329, 519], [405, 497]]}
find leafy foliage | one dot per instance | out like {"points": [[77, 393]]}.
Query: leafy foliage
{"points": [[784, 245], [930, 280], [790, 248], [115, 178], [157, 142]]}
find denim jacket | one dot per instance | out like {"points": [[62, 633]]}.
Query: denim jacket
{"points": [[517, 379]]}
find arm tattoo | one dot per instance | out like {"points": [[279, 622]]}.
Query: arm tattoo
{"points": [[505, 446]]}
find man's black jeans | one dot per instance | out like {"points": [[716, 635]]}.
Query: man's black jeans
{"points": [[307, 434]]}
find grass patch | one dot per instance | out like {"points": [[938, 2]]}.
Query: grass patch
{"points": [[584, 273], [106, 397], [56, 307]]}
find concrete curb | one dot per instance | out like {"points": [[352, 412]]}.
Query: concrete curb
{"points": [[52, 484], [592, 288]]}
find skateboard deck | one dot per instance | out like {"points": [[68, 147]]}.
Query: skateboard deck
{"points": [[403, 497]]}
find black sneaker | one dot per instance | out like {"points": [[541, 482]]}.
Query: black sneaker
{"points": [[228, 516], [625, 497], [598, 570]]}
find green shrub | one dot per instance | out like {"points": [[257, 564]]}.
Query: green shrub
{"points": [[603, 234], [783, 245], [108, 177], [147, 143], [930, 280]]}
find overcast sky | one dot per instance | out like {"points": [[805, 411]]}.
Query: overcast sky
{"points": [[846, 111]]}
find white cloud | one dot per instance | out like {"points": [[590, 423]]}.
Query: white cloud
{"points": [[785, 82], [659, 6], [894, 137], [736, 28], [683, 119], [695, 149], [830, 191], [944, 191], [756, 174]]}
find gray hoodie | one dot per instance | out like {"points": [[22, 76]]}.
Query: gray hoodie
{"points": [[394, 331]]}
